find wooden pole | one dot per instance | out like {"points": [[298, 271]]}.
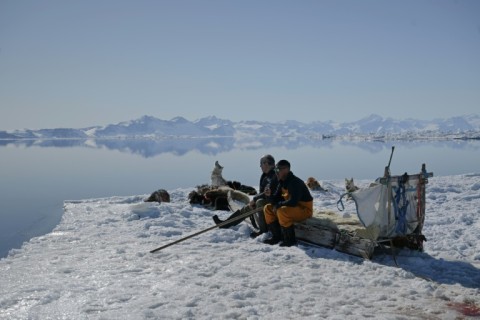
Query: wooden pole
{"points": [[242, 216]]}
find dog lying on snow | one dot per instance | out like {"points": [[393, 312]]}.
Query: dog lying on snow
{"points": [[215, 194], [159, 196], [215, 197], [314, 185]]}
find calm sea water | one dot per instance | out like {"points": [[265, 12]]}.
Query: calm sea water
{"points": [[37, 176]]}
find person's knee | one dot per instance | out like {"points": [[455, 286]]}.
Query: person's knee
{"points": [[260, 203], [284, 217], [268, 209]]}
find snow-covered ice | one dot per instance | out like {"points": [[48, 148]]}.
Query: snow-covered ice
{"points": [[96, 265]]}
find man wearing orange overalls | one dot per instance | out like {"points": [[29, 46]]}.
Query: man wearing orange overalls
{"points": [[291, 202]]}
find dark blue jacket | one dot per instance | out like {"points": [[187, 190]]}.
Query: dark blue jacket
{"points": [[296, 189], [267, 179]]}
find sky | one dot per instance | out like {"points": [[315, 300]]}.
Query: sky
{"points": [[97, 264], [80, 63]]}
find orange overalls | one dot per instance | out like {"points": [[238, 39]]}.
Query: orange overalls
{"points": [[285, 215]]}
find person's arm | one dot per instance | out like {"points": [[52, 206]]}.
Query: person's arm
{"points": [[295, 193], [263, 183], [276, 196]]}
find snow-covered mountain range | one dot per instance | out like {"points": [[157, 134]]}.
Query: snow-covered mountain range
{"points": [[375, 126]]}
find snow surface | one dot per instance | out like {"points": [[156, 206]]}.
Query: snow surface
{"points": [[96, 265]]}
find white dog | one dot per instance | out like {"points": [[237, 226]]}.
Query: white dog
{"points": [[350, 185], [217, 179]]}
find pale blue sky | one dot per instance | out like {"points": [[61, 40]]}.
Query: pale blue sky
{"points": [[81, 63]]}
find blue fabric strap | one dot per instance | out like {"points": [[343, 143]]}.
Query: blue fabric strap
{"points": [[400, 205]]}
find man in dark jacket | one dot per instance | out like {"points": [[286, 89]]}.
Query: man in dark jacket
{"points": [[291, 202], [268, 181]]}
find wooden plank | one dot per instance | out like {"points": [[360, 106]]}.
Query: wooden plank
{"points": [[318, 235], [355, 246], [329, 237], [397, 179]]}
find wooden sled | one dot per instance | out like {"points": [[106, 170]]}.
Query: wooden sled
{"points": [[346, 235], [324, 229]]}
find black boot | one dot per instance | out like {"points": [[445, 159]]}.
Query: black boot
{"points": [[231, 224], [255, 234], [288, 237], [274, 228], [260, 224], [254, 223]]}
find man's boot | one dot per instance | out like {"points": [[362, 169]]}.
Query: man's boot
{"points": [[262, 225], [289, 238], [217, 220], [252, 220], [274, 228]]}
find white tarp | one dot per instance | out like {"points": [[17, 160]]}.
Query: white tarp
{"points": [[391, 207]]}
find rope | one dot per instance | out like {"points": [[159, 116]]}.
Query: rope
{"points": [[400, 205], [341, 202]]}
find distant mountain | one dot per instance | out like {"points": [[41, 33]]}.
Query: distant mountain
{"points": [[6, 135], [148, 127]]}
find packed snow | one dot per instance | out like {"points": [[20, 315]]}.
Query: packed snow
{"points": [[96, 264]]}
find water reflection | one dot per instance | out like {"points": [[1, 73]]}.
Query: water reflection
{"points": [[148, 148]]}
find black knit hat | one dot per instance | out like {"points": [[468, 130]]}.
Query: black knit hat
{"points": [[283, 164]]}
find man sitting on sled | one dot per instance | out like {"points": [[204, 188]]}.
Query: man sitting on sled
{"points": [[291, 202]]}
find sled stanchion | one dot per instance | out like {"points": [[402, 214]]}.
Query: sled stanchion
{"points": [[391, 154], [386, 174], [242, 216]]}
